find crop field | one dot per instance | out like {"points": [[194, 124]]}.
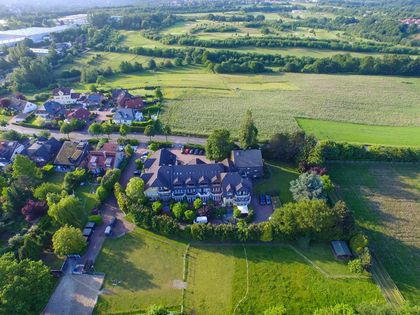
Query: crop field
{"points": [[359, 133], [144, 269], [385, 199], [197, 101]]}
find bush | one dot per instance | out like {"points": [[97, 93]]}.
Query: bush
{"points": [[95, 218], [157, 207], [358, 243], [189, 216], [68, 240], [102, 194], [355, 266]]}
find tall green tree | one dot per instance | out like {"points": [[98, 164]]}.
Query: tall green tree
{"points": [[23, 166], [68, 240], [124, 130], [135, 190], [307, 186], [248, 132], [149, 131], [95, 129], [25, 286], [69, 210], [219, 145], [66, 129]]}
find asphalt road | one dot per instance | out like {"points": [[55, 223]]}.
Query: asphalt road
{"points": [[84, 135]]}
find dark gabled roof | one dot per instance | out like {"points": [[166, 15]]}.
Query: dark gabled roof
{"points": [[54, 108], [43, 150], [124, 113], [6, 149], [341, 249], [195, 161], [247, 158]]}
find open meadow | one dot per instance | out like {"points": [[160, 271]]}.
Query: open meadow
{"points": [[144, 269], [360, 133], [385, 199], [197, 101]]}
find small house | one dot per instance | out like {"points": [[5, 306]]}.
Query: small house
{"points": [[80, 114], [43, 151], [22, 106], [249, 163], [8, 151], [126, 116], [63, 96], [70, 156], [106, 158]]}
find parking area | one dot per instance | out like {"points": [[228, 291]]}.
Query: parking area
{"points": [[261, 212]]}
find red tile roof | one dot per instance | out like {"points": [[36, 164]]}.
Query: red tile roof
{"points": [[79, 114]]}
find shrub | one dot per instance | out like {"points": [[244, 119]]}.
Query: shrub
{"points": [[236, 212], [355, 265], [157, 207], [198, 203], [189, 216], [102, 194], [358, 242]]}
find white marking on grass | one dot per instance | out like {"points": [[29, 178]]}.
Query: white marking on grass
{"points": [[247, 281]]}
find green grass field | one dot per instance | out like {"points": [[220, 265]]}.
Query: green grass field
{"points": [[385, 199], [279, 181], [277, 276], [144, 269], [360, 133]]}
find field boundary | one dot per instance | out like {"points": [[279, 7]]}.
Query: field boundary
{"points": [[185, 277], [247, 281]]}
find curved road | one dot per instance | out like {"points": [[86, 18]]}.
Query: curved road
{"points": [[84, 135]]}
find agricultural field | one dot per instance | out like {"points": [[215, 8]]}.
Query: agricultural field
{"points": [[143, 269], [385, 199], [360, 133], [197, 101]]}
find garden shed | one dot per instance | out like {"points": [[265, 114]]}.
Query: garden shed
{"points": [[341, 250]]}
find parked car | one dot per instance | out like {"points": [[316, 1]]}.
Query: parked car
{"points": [[262, 200], [201, 152], [187, 151], [108, 230], [87, 233], [268, 199], [112, 221], [137, 173], [182, 149], [90, 225], [196, 151]]}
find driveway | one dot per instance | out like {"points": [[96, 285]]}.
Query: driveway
{"points": [[75, 294], [261, 213]]}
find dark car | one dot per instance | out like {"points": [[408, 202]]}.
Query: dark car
{"points": [[201, 152], [112, 221], [196, 151], [268, 199], [182, 149], [262, 200], [137, 173]]}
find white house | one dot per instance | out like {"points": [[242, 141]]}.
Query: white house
{"points": [[63, 96], [22, 106], [126, 116]]}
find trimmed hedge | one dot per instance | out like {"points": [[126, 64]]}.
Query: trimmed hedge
{"points": [[334, 151]]}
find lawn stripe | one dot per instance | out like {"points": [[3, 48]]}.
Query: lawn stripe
{"points": [[247, 281]]}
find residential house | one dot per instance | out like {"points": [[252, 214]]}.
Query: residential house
{"points": [[126, 116], [166, 178], [8, 151], [70, 156], [92, 100], [123, 99], [106, 158], [63, 96], [43, 151], [248, 163], [21, 106], [51, 110], [79, 114]]}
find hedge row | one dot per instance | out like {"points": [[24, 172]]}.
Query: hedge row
{"points": [[334, 151]]}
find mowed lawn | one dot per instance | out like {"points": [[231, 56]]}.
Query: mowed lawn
{"points": [[141, 270], [217, 281], [360, 133], [278, 182], [385, 199]]}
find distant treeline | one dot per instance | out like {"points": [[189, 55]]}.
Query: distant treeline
{"points": [[275, 41], [228, 61]]}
